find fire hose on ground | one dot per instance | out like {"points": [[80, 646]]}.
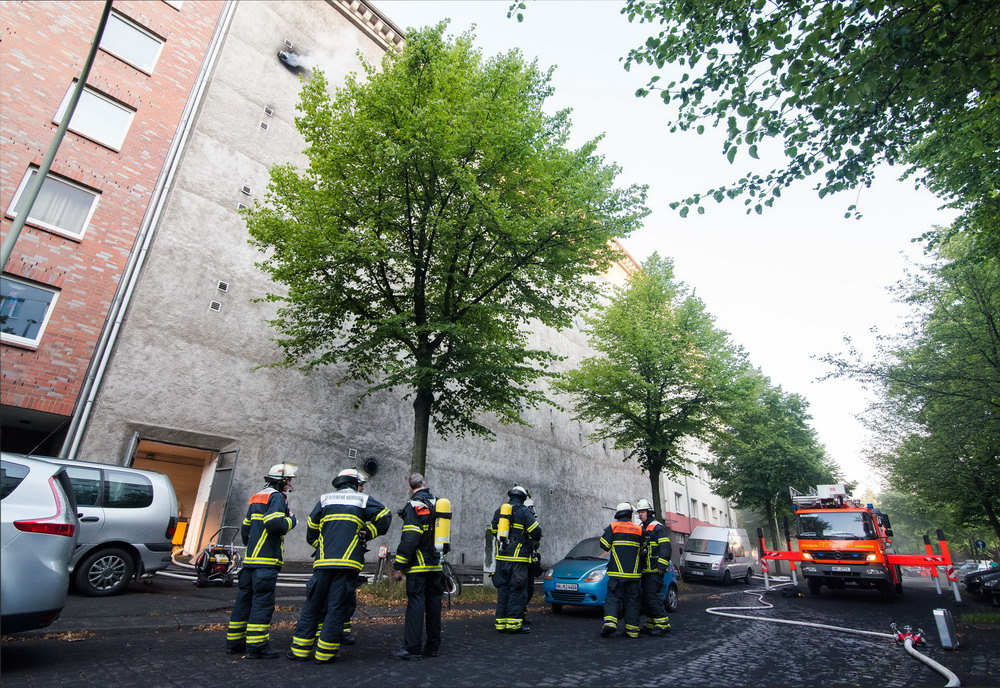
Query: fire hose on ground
{"points": [[906, 638]]}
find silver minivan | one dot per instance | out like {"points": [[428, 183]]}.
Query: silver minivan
{"points": [[38, 530], [716, 553], [128, 518]]}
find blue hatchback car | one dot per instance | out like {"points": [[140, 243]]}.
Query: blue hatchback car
{"points": [[581, 579]]}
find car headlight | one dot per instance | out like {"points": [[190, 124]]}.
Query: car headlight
{"points": [[872, 557], [807, 556], [548, 574], [992, 583], [596, 575]]}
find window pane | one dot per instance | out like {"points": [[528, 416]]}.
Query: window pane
{"points": [[129, 42], [98, 118], [59, 205], [128, 491], [11, 475], [23, 308], [86, 485]]}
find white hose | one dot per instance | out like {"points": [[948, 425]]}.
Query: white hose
{"points": [[908, 644]]}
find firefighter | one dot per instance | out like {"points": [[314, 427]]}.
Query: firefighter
{"points": [[339, 526], [655, 560], [267, 521], [417, 557], [513, 559], [623, 539]]}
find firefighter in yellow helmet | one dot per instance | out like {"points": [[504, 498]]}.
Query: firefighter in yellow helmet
{"points": [[623, 539], [517, 534], [338, 526], [267, 521], [655, 560]]}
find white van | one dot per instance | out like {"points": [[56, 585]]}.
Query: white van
{"points": [[720, 554]]}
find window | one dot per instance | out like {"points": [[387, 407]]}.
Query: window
{"points": [[86, 484], [128, 491], [11, 475], [98, 118], [61, 206], [694, 508], [704, 510], [176, 4], [678, 502], [130, 42], [24, 311]]}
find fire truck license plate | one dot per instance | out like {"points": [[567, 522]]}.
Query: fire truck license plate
{"points": [[841, 569], [566, 586]]}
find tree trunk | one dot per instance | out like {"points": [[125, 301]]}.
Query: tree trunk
{"points": [[654, 484], [991, 515], [422, 404], [774, 542]]}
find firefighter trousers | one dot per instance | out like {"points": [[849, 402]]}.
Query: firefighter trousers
{"points": [[424, 592], [250, 621], [511, 580], [623, 592], [652, 601], [330, 594]]}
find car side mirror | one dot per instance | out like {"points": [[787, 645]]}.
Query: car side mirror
{"points": [[729, 556], [888, 532]]}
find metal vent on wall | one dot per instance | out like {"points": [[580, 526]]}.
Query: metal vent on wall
{"points": [[352, 453], [241, 206], [288, 44], [263, 125], [215, 306], [246, 189], [268, 110], [223, 286]]}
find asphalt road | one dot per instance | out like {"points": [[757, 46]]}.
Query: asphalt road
{"points": [[562, 650]]}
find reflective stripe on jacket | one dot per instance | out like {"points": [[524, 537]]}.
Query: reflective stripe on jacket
{"points": [[416, 553], [656, 553], [335, 522], [624, 540], [264, 528]]}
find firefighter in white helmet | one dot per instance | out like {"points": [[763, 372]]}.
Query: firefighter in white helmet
{"points": [[267, 522], [623, 538], [517, 533], [655, 560]]}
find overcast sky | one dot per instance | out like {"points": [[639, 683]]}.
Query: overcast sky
{"points": [[787, 285]]}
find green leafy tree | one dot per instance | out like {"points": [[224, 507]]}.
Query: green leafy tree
{"points": [[939, 388], [441, 212], [767, 447], [662, 376], [840, 87]]}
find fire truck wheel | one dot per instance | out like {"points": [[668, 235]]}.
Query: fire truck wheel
{"points": [[887, 589], [814, 586]]}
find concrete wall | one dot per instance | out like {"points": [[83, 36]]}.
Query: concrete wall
{"points": [[182, 373]]}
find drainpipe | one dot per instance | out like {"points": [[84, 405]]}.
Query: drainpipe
{"points": [[130, 277], [35, 186]]}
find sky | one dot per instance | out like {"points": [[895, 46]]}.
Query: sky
{"points": [[787, 285]]}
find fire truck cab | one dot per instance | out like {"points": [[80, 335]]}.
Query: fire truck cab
{"points": [[842, 542]]}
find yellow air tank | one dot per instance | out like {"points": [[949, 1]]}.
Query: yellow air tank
{"points": [[442, 523], [503, 524]]}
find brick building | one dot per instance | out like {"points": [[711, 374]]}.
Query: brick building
{"points": [[61, 280]]}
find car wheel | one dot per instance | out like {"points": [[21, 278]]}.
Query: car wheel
{"points": [[814, 586], [727, 578], [556, 608], [104, 572], [670, 604], [749, 577]]}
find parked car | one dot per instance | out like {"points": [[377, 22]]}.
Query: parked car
{"points": [[720, 554], [127, 517], [580, 579], [970, 567], [38, 530], [990, 587], [974, 582]]}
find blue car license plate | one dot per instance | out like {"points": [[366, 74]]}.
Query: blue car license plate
{"points": [[566, 586]]}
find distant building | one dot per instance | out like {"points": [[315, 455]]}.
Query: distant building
{"points": [[181, 395]]}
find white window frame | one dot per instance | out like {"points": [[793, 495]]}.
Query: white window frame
{"points": [[44, 225], [141, 29], [26, 341], [176, 4], [114, 145]]}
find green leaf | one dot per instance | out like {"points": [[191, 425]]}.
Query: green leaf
{"points": [[753, 152], [731, 155]]}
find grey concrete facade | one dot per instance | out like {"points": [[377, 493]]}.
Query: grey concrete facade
{"points": [[186, 374]]}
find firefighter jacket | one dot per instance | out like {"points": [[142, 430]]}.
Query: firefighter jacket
{"points": [[624, 539], [656, 549], [416, 553], [267, 521], [524, 533], [339, 526]]}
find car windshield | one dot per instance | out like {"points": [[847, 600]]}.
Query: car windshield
{"points": [[588, 549], [840, 525], [699, 546]]}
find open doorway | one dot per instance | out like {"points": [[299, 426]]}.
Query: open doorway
{"points": [[201, 480]]}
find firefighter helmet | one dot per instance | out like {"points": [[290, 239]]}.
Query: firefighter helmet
{"points": [[624, 509], [281, 471], [643, 505], [350, 476], [518, 491]]}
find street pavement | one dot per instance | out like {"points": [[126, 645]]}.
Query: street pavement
{"points": [[169, 633]]}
